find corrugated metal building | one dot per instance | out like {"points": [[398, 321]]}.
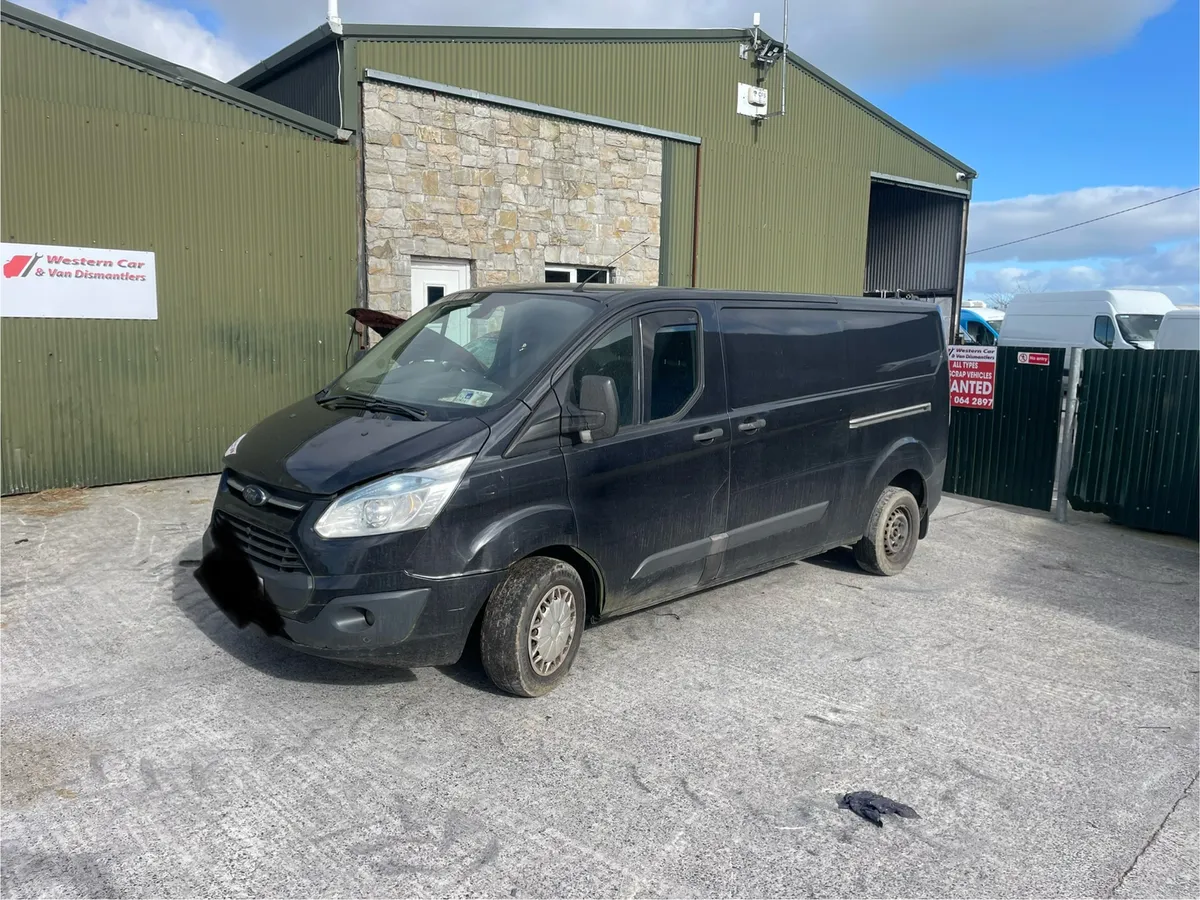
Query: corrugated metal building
{"points": [[308, 186], [249, 208], [835, 196]]}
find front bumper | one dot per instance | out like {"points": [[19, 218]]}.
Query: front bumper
{"points": [[415, 622]]}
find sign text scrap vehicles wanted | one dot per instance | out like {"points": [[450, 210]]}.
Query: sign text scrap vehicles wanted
{"points": [[47, 282], [972, 376]]}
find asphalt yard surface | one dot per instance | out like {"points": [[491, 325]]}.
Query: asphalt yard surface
{"points": [[1029, 688]]}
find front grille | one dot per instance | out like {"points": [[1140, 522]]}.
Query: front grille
{"points": [[276, 500], [263, 545]]}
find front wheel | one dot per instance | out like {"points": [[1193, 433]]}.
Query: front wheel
{"points": [[891, 536], [532, 626]]}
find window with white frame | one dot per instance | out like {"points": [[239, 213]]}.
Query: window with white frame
{"points": [[577, 275]]}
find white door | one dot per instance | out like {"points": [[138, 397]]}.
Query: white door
{"points": [[432, 281]]}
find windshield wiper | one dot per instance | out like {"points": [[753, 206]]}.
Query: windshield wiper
{"points": [[354, 400]]}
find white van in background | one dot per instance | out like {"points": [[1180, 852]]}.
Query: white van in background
{"points": [[1118, 320], [1180, 330]]}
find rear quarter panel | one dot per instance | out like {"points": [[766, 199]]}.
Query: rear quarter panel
{"points": [[894, 367]]}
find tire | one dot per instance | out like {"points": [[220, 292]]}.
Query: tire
{"points": [[891, 535], [508, 645]]}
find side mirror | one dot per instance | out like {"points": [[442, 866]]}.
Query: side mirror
{"points": [[599, 413], [359, 354]]}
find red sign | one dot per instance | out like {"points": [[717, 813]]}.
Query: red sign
{"points": [[972, 376], [1034, 359]]}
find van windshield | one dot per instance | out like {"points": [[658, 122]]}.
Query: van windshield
{"points": [[1138, 328], [466, 352]]}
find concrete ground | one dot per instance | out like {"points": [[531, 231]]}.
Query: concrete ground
{"points": [[1030, 688]]}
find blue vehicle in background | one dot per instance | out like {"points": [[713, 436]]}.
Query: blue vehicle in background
{"points": [[979, 323]]}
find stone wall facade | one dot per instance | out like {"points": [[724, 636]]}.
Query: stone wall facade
{"points": [[448, 178]]}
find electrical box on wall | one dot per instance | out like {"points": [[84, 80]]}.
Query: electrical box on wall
{"points": [[752, 101]]}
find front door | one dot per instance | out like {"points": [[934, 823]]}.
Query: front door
{"points": [[431, 281], [650, 502]]}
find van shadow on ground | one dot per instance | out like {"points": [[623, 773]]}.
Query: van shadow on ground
{"points": [[253, 648]]}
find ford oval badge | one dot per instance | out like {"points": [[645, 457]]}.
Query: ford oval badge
{"points": [[254, 495]]}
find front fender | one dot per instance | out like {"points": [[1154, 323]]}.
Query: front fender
{"points": [[520, 533]]}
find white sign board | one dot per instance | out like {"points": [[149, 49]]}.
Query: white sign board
{"points": [[47, 282], [751, 101]]}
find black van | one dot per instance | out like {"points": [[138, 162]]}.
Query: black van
{"points": [[529, 458]]}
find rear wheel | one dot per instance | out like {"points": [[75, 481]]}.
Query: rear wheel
{"points": [[891, 536], [532, 626]]}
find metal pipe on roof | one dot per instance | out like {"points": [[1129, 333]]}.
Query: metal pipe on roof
{"points": [[783, 87]]}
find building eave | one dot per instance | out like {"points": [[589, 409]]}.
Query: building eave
{"points": [[319, 37], [190, 79]]}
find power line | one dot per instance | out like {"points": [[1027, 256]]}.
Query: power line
{"points": [[1085, 222]]}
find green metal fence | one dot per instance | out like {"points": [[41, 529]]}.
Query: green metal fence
{"points": [[1136, 443], [1007, 454]]}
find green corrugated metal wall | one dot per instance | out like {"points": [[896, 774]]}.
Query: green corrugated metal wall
{"points": [[253, 226], [1137, 458], [783, 205], [1008, 454], [677, 227]]}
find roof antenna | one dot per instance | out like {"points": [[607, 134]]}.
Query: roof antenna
{"points": [[332, 18], [581, 284]]}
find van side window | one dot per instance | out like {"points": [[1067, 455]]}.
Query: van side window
{"points": [[671, 350], [1104, 330], [781, 353], [611, 356]]}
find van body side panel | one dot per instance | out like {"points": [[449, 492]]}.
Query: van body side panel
{"points": [[788, 418], [899, 407]]}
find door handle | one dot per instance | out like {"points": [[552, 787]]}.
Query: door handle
{"points": [[752, 425], [707, 436]]}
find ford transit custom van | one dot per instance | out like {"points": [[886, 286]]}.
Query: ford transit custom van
{"points": [[515, 463]]}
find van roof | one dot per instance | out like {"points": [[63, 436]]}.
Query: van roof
{"points": [[614, 295], [1123, 301], [1184, 312]]}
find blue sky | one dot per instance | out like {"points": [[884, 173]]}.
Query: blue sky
{"points": [[1069, 109], [1126, 117], [1129, 117]]}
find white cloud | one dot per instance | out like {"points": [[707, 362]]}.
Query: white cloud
{"points": [[1130, 233], [1174, 270], [859, 41], [908, 39], [173, 34], [1153, 248]]}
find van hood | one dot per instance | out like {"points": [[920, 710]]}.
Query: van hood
{"points": [[309, 448]]}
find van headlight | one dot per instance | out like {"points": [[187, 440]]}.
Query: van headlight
{"points": [[233, 447], [404, 502]]}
